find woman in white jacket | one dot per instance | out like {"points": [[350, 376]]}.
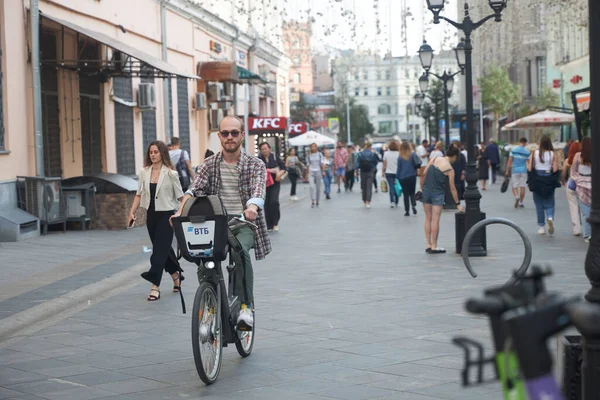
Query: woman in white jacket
{"points": [[159, 192]]}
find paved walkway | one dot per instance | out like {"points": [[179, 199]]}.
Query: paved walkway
{"points": [[348, 307]]}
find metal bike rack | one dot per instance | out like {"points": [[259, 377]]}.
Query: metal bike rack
{"points": [[500, 221]]}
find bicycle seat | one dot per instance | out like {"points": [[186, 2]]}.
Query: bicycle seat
{"points": [[586, 318], [489, 305]]}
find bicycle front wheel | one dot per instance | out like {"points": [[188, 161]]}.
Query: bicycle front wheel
{"points": [[206, 334]]}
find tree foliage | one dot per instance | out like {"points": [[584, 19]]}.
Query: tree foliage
{"points": [[499, 93], [548, 98], [360, 126], [302, 111]]}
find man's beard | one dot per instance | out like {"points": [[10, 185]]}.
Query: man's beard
{"points": [[232, 150]]}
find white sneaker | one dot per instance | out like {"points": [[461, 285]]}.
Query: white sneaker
{"points": [[550, 226], [368, 206], [245, 321], [541, 231], [392, 205], [587, 239]]}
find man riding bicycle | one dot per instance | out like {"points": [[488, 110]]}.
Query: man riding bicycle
{"points": [[239, 180]]}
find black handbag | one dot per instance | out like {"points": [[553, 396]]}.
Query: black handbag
{"points": [[504, 186]]}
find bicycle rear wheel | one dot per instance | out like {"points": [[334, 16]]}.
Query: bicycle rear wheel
{"points": [[245, 339], [206, 334]]}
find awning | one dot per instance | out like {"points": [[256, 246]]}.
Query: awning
{"points": [[227, 71], [583, 101], [249, 77], [145, 60], [542, 119]]}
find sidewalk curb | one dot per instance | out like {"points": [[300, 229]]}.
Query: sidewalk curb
{"points": [[39, 317]]}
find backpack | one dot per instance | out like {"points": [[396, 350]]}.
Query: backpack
{"points": [[181, 167], [366, 162]]}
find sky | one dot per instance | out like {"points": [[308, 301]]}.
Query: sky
{"points": [[365, 24]]}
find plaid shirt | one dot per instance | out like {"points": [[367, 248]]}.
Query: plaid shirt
{"points": [[253, 177], [341, 157]]}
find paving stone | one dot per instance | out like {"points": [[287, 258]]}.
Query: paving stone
{"points": [[10, 376]]}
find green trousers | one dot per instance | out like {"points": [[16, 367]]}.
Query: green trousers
{"points": [[243, 276]]}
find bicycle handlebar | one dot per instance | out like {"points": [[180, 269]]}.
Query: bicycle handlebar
{"points": [[241, 218], [488, 305]]}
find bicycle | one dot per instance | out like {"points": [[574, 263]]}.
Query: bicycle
{"points": [[204, 238]]}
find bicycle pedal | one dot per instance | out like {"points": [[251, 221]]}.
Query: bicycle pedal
{"points": [[243, 328]]}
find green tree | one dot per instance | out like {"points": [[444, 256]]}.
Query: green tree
{"points": [[302, 111], [499, 93], [436, 97], [548, 98], [359, 120]]}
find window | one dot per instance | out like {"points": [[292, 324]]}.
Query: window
{"points": [[529, 83], [378, 75], [356, 76], [356, 91], [183, 113], [541, 74], [366, 91], [416, 75], [365, 75], [297, 43], [388, 75], [408, 90], [296, 60], [385, 127], [384, 109], [388, 91], [406, 74], [297, 78], [378, 91]]}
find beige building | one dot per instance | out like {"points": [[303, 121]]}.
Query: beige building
{"points": [[116, 75], [297, 44]]}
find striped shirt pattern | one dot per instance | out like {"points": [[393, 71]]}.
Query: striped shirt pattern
{"points": [[230, 194]]}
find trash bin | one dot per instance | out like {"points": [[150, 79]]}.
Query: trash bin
{"points": [[460, 230]]}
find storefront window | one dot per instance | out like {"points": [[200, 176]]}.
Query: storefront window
{"points": [[385, 127]]}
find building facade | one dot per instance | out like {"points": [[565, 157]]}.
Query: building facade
{"points": [[387, 88], [116, 76], [297, 46]]}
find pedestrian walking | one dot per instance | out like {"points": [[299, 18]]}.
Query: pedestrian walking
{"points": [[328, 163], [275, 167], [350, 168], [516, 168], [408, 165], [314, 173], [581, 176], [423, 153], [159, 192], [543, 165], [367, 165], [292, 165], [433, 186], [438, 152], [460, 170], [181, 160], [483, 165], [492, 153], [572, 198], [389, 169], [341, 159]]}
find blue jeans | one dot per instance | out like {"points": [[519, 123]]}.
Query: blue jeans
{"points": [[544, 206], [585, 214], [391, 179], [327, 181]]}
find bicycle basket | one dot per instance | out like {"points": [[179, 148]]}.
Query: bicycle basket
{"points": [[202, 229]]}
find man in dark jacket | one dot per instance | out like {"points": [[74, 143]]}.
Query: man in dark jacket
{"points": [[367, 164], [460, 167], [492, 153]]}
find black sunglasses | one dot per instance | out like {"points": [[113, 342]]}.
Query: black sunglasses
{"points": [[232, 133]]}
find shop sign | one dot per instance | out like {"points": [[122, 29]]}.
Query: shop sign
{"points": [[241, 58], [267, 124], [215, 47], [297, 128]]}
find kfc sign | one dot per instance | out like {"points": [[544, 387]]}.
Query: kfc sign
{"points": [[267, 124], [297, 128]]}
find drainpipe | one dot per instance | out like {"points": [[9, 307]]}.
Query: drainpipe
{"points": [[234, 52], [37, 87], [248, 94], [166, 82]]}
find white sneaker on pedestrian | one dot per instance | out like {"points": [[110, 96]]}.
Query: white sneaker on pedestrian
{"points": [[550, 226], [541, 231], [587, 239], [368, 206], [245, 321], [392, 205]]}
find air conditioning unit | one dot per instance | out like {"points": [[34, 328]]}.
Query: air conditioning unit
{"points": [[44, 199], [227, 91], [215, 118], [213, 93], [200, 101], [146, 96]]}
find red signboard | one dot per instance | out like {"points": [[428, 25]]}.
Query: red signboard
{"points": [[296, 128], [276, 124], [556, 83]]}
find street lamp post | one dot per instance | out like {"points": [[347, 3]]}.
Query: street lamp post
{"points": [[463, 54], [424, 87], [426, 57]]}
